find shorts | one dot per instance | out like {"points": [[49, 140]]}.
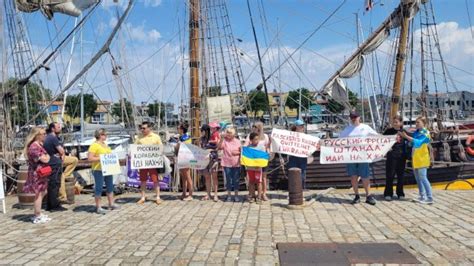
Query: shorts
{"points": [[255, 176], [152, 173], [358, 169]]}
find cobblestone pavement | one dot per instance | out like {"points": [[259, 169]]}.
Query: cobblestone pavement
{"points": [[199, 232]]}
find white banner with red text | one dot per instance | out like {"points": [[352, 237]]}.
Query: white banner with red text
{"points": [[355, 149], [293, 143]]}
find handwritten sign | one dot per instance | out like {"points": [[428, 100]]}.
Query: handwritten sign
{"points": [[110, 164], [146, 156], [293, 143], [191, 156], [355, 149]]}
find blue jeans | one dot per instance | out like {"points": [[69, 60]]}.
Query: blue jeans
{"points": [[232, 177], [424, 186], [99, 182]]}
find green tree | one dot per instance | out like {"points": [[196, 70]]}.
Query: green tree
{"points": [[293, 99], [73, 105], [258, 101], [154, 108], [37, 96], [122, 116]]}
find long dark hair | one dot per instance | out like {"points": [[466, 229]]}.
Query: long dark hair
{"points": [[207, 131]]}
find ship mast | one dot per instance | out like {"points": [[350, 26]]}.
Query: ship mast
{"points": [[401, 56], [194, 64]]}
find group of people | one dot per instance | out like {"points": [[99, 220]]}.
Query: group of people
{"points": [[44, 149]]}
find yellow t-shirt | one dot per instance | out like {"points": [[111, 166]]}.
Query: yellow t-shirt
{"points": [[98, 149], [150, 139]]}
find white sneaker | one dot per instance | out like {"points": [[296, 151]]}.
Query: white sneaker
{"points": [[41, 219]]}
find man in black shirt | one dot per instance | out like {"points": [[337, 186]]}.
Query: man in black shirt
{"points": [[53, 147], [396, 161]]}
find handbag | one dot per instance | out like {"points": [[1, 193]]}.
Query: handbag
{"points": [[44, 171]]}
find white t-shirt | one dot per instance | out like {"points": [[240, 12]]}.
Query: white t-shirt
{"points": [[361, 130], [262, 144]]}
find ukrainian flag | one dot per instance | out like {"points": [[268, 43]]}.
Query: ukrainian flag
{"points": [[254, 158]]}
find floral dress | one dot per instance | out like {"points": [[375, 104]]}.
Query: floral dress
{"points": [[34, 183]]}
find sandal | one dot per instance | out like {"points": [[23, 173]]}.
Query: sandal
{"points": [[216, 199], [205, 198], [264, 197]]}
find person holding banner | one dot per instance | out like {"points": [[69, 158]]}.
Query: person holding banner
{"points": [[95, 150], [148, 137], [185, 173], [210, 172], [254, 158], [396, 160], [231, 148], [299, 162], [264, 145], [421, 159], [354, 170], [37, 157]]}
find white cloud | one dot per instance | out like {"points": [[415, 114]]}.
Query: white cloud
{"points": [[152, 3]]}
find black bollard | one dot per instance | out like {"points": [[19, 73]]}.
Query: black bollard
{"points": [[295, 188]]}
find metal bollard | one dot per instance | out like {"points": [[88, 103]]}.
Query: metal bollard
{"points": [[295, 188]]}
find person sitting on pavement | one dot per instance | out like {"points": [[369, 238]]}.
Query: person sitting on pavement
{"points": [[95, 150], [356, 170], [148, 137]]}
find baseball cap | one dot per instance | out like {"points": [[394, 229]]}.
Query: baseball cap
{"points": [[354, 114], [299, 122], [213, 125]]}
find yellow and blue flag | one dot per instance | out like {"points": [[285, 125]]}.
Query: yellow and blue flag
{"points": [[254, 158]]}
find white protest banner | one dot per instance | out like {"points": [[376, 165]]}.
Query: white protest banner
{"points": [[191, 156], [146, 156], [293, 143], [110, 164], [355, 149]]}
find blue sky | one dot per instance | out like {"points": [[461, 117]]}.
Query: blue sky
{"points": [[155, 23]]}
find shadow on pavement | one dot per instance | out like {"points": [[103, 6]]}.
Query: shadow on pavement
{"points": [[26, 218], [84, 208]]}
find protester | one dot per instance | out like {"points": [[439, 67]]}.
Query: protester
{"points": [[55, 148], [95, 150], [148, 137], [396, 161], [210, 172], [421, 159], [215, 136], [299, 162], [354, 170], [264, 145], [185, 173], [231, 148], [255, 174], [37, 158]]}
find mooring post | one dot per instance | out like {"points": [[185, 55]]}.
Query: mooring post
{"points": [[295, 187]]}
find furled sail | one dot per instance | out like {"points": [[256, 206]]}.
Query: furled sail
{"points": [[49, 7], [335, 87]]}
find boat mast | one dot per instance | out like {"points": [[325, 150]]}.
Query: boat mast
{"points": [[401, 56], [195, 104]]}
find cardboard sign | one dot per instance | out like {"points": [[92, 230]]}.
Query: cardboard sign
{"points": [[110, 164], [219, 108], [355, 149], [146, 156], [293, 143], [191, 156]]}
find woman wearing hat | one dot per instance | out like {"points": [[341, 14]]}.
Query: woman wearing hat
{"points": [[215, 136], [299, 162]]}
